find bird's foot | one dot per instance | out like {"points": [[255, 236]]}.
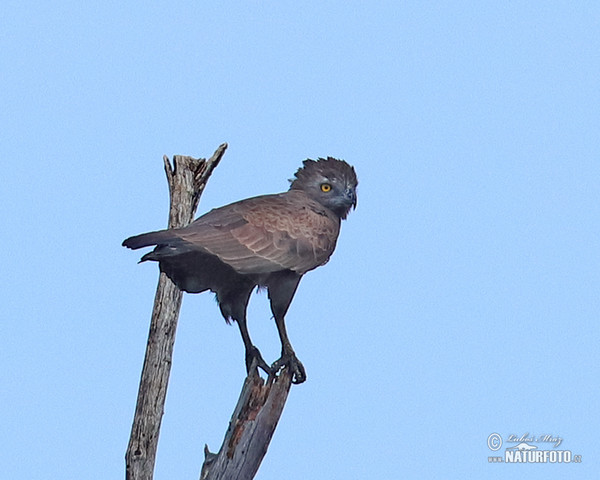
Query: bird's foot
{"points": [[255, 359], [289, 359]]}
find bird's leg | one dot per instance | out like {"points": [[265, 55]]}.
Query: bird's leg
{"points": [[288, 356], [282, 286], [252, 353], [233, 303]]}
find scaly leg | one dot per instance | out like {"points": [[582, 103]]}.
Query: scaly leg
{"points": [[252, 353], [233, 304], [282, 287]]}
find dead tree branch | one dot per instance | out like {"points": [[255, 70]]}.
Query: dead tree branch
{"points": [[187, 179], [261, 402], [250, 429]]}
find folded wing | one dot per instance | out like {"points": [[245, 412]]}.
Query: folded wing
{"points": [[258, 235]]}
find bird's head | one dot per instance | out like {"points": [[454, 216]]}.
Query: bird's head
{"points": [[329, 181]]}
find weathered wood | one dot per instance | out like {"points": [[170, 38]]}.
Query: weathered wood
{"points": [[187, 179], [261, 402], [250, 429]]}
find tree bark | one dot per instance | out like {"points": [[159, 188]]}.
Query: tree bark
{"points": [[187, 179], [250, 429], [261, 402]]}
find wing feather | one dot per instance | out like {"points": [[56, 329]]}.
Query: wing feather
{"points": [[266, 234]]}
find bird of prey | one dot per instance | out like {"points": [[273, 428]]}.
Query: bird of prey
{"points": [[266, 241]]}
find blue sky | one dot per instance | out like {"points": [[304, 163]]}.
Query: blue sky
{"points": [[462, 299]]}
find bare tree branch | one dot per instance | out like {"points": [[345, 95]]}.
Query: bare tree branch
{"points": [[187, 179], [250, 429], [261, 402]]}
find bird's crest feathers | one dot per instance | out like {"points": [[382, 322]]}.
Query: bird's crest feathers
{"points": [[323, 167], [329, 181]]}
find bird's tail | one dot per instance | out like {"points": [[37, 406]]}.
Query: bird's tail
{"points": [[148, 239], [168, 244]]}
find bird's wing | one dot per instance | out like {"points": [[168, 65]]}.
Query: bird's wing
{"points": [[267, 233]]}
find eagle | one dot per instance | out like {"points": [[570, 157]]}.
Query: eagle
{"points": [[269, 241]]}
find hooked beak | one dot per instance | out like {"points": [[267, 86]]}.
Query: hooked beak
{"points": [[350, 195]]}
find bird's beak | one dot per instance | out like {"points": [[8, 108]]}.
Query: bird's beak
{"points": [[350, 195]]}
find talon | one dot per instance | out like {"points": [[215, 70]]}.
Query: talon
{"points": [[289, 359], [253, 357]]}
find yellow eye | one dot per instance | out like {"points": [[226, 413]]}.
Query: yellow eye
{"points": [[325, 187]]}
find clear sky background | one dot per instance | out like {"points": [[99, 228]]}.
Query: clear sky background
{"points": [[462, 300]]}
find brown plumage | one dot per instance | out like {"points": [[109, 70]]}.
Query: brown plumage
{"points": [[268, 241]]}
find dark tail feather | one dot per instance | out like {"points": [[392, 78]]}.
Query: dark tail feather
{"points": [[148, 239]]}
